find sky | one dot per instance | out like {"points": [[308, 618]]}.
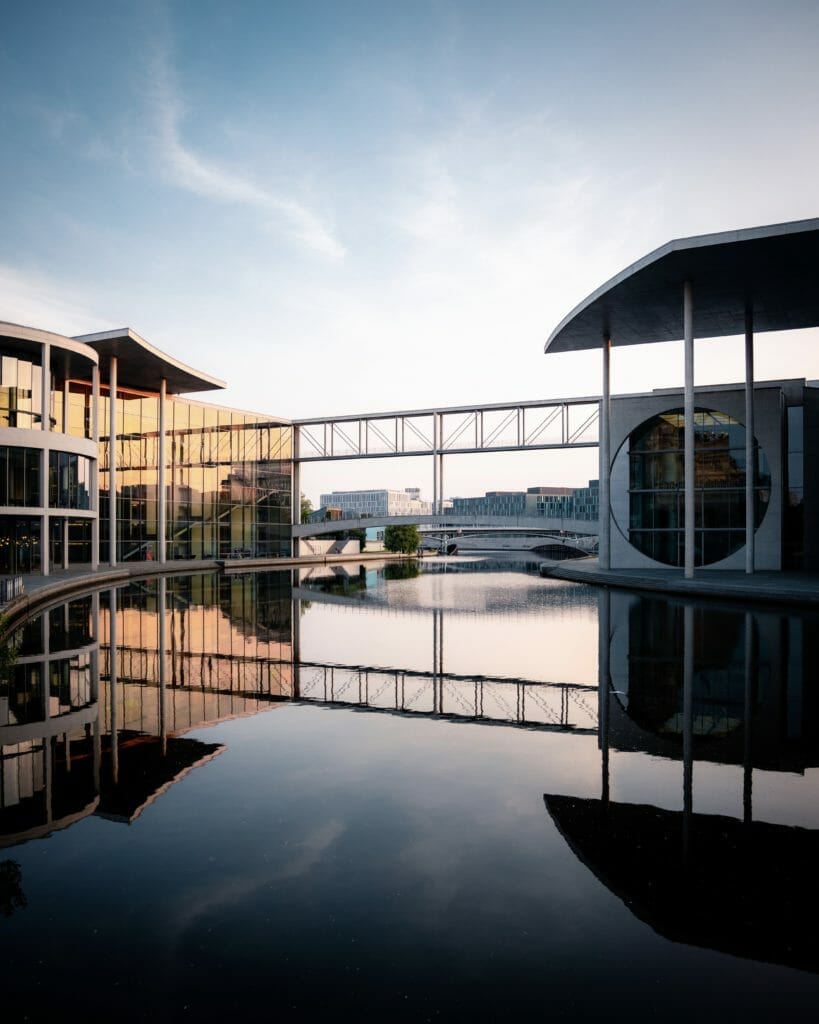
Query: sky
{"points": [[340, 207]]}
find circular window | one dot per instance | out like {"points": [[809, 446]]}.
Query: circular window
{"points": [[656, 482]]}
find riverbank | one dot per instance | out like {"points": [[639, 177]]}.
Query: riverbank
{"points": [[41, 591]]}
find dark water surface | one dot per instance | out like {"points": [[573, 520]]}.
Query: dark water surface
{"points": [[358, 797]]}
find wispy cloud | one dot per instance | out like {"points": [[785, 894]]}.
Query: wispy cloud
{"points": [[35, 299], [207, 177]]}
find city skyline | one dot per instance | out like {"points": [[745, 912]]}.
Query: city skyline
{"points": [[382, 208]]}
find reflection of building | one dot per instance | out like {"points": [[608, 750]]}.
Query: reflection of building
{"points": [[191, 480], [101, 692], [360, 504]]}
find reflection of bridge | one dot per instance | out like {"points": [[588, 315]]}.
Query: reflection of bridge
{"points": [[454, 523], [485, 700]]}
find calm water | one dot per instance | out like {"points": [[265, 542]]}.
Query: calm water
{"points": [[405, 798]]}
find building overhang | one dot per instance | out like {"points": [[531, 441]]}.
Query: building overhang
{"points": [[141, 366], [771, 270]]}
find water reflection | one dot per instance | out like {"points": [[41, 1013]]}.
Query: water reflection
{"points": [[100, 697]]}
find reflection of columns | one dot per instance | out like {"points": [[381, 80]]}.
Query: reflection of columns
{"points": [[750, 454], [160, 625], [604, 433], [295, 490], [437, 661], [604, 675], [112, 677], [688, 331], [295, 619], [162, 511], [95, 468], [95, 685], [48, 752], [112, 462], [747, 753], [688, 723]]}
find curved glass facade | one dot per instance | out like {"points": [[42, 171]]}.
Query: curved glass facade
{"points": [[657, 487]]}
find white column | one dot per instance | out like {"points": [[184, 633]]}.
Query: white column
{"points": [[65, 543], [750, 460], [95, 468], [604, 430], [434, 463], [112, 462], [688, 403], [162, 506], [45, 424]]}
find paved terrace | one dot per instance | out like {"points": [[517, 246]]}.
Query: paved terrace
{"points": [[795, 588]]}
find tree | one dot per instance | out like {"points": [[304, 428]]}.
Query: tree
{"points": [[405, 539], [306, 508]]}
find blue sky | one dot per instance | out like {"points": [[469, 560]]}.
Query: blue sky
{"points": [[356, 206]]}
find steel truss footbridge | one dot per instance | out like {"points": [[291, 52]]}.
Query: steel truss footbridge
{"points": [[540, 425]]}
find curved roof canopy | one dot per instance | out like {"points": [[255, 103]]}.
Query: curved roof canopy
{"points": [[141, 366], [772, 270]]}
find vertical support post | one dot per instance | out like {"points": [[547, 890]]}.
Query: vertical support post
{"points": [[95, 468], [604, 543], [750, 452], [162, 497], [160, 625], [112, 462], [604, 674], [688, 724], [295, 490], [441, 482], [66, 393], [434, 463], [45, 424], [688, 414], [65, 542]]}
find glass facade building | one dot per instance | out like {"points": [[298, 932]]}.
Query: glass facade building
{"points": [[190, 480]]}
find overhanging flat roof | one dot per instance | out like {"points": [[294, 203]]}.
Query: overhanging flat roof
{"points": [[774, 270], [141, 366]]}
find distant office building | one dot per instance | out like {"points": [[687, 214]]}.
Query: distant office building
{"points": [[547, 502], [369, 504]]}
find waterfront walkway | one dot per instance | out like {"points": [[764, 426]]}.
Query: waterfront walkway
{"points": [[761, 587]]}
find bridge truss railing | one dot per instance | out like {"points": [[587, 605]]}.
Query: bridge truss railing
{"points": [[514, 426]]}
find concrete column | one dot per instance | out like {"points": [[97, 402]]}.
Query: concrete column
{"points": [[750, 460], [45, 424], [112, 462], [441, 482], [95, 468], [65, 542], [688, 331], [604, 430], [295, 489], [162, 504], [66, 393]]}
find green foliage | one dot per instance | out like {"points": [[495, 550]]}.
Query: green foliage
{"points": [[306, 508], [402, 570], [404, 539]]}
